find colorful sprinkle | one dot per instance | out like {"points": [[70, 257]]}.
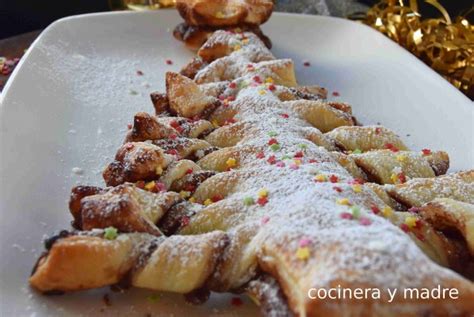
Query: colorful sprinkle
{"points": [[260, 155], [284, 115], [216, 198], [338, 189], [160, 187], [320, 178], [185, 221], [391, 147], [275, 147], [262, 201], [110, 233], [304, 242], [249, 201], [355, 212], [333, 179], [302, 253], [375, 209], [264, 220], [229, 121], [272, 134], [344, 201], [387, 211], [232, 85], [365, 221], [299, 154], [401, 158], [215, 123], [346, 215], [169, 62], [404, 227], [411, 221], [357, 151], [399, 178], [336, 94], [269, 80], [184, 194], [207, 202], [271, 159], [426, 151], [359, 181], [357, 188], [263, 192], [150, 186], [231, 162], [402, 178], [159, 170], [272, 141], [280, 164]]}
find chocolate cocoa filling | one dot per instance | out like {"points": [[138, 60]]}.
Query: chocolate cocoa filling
{"points": [[175, 218], [273, 302], [146, 250]]}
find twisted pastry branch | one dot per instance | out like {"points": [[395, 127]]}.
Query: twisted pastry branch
{"points": [[287, 205]]}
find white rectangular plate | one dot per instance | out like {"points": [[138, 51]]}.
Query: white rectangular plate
{"points": [[65, 111]]}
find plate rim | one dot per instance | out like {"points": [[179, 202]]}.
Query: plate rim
{"points": [[55, 24]]}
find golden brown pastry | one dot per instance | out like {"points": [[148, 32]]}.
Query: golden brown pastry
{"points": [[280, 203], [76, 261], [389, 167], [446, 213], [225, 12], [417, 192], [195, 36], [125, 207], [366, 139]]}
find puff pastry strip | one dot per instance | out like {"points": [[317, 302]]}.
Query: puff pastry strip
{"points": [[195, 36], [125, 207], [76, 261], [147, 127], [366, 138], [389, 167], [445, 214], [416, 192], [338, 240]]}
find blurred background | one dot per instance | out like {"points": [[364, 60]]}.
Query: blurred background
{"points": [[448, 50], [20, 16]]}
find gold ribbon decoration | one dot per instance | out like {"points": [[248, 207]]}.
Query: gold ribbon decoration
{"points": [[445, 45]]}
